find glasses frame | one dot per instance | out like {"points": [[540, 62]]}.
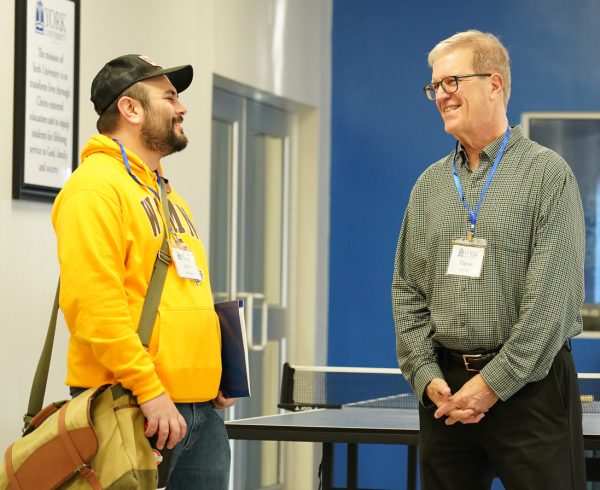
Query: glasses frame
{"points": [[433, 86]]}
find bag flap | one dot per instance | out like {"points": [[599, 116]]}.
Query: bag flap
{"points": [[64, 441]]}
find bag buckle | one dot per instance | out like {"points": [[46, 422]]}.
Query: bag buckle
{"points": [[467, 359], [82, 468], [164, 257], [26, 423]]}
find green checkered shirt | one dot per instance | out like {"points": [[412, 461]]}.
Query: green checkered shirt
{"points": [[527, 299]]}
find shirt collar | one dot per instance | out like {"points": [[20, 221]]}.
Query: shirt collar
{"points": [[488, 154]]}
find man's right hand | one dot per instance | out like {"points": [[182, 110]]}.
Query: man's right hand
{"points": [[439, 393], [163, 419]]}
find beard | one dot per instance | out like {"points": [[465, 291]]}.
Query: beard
{"points": [[159, 135]]}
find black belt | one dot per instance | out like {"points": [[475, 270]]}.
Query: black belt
{"points": [[472, 362]]}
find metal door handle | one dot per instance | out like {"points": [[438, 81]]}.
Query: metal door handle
{"points": [[249, 305]]}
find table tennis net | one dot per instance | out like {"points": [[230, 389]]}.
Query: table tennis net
{"points": [[589, 388], [308, 387]]}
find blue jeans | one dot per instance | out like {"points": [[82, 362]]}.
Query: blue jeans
{"points": [[201, 460]]}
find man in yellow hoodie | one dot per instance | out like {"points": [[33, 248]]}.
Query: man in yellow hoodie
{"points": [[109, 223]]}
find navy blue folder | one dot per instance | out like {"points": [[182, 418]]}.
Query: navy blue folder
{"points": [[235, 379]]}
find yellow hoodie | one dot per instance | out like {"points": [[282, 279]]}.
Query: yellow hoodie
{"points": [[109, 230]]}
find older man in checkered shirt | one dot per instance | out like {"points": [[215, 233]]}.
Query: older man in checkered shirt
{"points": [[487, 288]]}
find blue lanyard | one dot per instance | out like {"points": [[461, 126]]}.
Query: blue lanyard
{"points": [[128, 167], [473, 214]]}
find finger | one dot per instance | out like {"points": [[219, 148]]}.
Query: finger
{"points": [[477, 418], [444, 391], [460, 415], [162, 434], [174, 433], [150, 427], [472, 419], [445, 409]]}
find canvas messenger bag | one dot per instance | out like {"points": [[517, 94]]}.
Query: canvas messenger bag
{"points": [[95, 440]]}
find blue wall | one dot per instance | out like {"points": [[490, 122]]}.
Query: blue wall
{"points": [[385, 133]]}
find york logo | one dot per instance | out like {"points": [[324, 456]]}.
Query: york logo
{"points": [[39, 17], [48, 20], [466, 253]]}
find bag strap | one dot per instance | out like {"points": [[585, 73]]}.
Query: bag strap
{"points": [[40, 379], [145, 325], [157, 279]]}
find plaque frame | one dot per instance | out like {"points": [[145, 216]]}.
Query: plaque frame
{"points": [[24, 30]]}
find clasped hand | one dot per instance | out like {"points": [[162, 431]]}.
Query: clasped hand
{"points": [[468, 405]]}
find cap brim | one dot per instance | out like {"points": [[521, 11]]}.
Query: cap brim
{"points": [[180, 76]]}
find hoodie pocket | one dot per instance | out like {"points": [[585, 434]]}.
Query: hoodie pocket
{"points": [[187, 353]]}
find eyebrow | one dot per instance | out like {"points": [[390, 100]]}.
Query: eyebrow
{"points": [[439, 81], [171, 91]]}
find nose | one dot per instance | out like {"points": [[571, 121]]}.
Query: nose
{"points": [[438, 90], [181, 109], [440, 95], [440, 98]]}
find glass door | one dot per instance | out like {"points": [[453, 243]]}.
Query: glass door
{"points": [[249, 257]]}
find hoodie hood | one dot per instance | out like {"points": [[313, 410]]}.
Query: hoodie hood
{"points": [[100, 143]]}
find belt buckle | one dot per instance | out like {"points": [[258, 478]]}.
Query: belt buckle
{"points": [[467, 358]]}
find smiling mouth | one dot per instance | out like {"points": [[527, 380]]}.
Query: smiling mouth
{"points": [[451, 108]]}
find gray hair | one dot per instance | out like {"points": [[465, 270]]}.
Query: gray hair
{"points": [[489, 54]]}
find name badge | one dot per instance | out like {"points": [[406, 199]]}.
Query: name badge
{"points": [[467, 257], [185, 262]]}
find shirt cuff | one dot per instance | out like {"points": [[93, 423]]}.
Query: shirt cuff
{"points": [[421, 379], [501, 379]]}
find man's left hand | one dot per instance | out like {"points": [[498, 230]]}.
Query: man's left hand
{"points": [[474, 398], [222, 402]]}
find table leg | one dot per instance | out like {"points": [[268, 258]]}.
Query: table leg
{"points": [[327, 466], [411, 468], [352, 468]]}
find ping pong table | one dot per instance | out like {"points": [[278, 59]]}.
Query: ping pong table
{"points": [[358, 425], [371, 423]]}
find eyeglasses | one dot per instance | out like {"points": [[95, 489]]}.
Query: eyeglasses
{"points": [[449, 84]]}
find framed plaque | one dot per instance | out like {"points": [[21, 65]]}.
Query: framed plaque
{"points": [[575, 136], [45, 96]]}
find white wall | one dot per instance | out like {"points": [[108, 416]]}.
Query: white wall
{"points": [[279, 46], [284, 47], [28, 269]]}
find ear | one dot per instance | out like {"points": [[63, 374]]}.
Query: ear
{"points": [[497, 86], [130, 109]]}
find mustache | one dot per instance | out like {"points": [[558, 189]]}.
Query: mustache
{"points": [[178, 119]]}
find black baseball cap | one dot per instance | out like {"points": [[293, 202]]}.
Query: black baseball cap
{"points": [[122, 72]]}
